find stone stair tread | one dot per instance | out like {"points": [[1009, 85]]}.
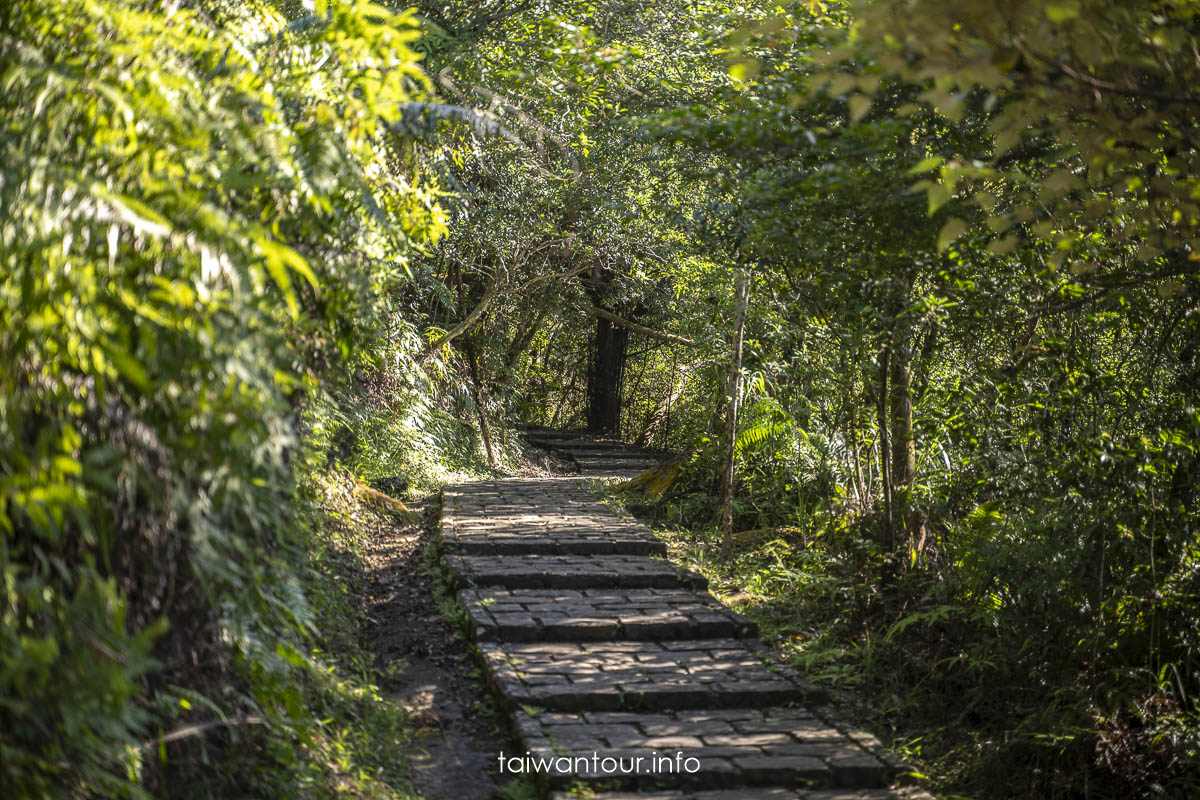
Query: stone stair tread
{"points": [[551, 500], [611, 474], [483, 544], [637, 675], [482, 538], [582, 443], [598, 649], [623, 458], [762, 793], [540, 571], [527, 615], [630, 466], [706, 748], [538, 516], [631, 455], [551, 433]]}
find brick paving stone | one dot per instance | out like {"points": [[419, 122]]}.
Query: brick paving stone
{"points": [[571, 572], [623, 656], [621, 464], [589, 444], [575, 746], [761, 793], [526, 615], [546, 516], [710, 673]]}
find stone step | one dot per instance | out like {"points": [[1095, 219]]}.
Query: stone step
{"points": [[483, 544], [489, 538], [774, 793], [611, 474], [615, 455], [617, 463], [552, 500], [707, 748], [554, 516], [551, 433], [534, 615], [632, 676], [572, 572], [587, 444], [600, 651]]}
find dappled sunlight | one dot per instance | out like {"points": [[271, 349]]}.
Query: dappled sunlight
{"points": [[883, 315]]}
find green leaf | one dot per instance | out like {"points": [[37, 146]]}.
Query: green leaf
{"points": [[859, 106], [1062, 10], [950, 231], [127, 366], [938, 197], [277, 258], [927, 165], [744, 70]]}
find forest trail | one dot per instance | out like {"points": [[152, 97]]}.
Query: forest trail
{"points": [[602, 649], [595, 457]]}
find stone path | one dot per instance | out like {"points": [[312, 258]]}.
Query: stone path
{"points": [[620, 672], [592, 456]]}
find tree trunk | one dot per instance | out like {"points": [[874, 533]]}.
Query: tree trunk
{"points": [[607, 368], [485, 430], [741, 296], [521, 340], [904, 447], [904, 451], [885, 450], [570, 387]]}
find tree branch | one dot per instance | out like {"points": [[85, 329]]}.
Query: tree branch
{"points": [[1106, 86], [461, 327], [492, 292], [194, 730], [600, 313]]}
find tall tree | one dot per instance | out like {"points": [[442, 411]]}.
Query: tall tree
{"points": [[741, 297]]}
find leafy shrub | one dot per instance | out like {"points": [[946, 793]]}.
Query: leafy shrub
{"points": [[205, 210]]}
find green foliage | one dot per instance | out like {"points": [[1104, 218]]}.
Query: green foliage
{"points": [[204, 211], [1102, 93], [966, 466], [971, 353]]}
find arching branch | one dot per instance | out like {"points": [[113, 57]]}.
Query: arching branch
{"points": [[600, 313]]}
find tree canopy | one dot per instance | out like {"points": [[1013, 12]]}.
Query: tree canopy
{"points": [[916, 283]]}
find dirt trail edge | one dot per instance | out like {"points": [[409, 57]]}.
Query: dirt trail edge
{"points": [[429, 670]]}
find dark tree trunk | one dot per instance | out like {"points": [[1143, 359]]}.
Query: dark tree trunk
{"points": [[607, 368]]}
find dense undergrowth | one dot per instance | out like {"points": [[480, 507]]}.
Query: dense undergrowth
{"points": [[256, 255], [987, 699], [206, 220]]}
